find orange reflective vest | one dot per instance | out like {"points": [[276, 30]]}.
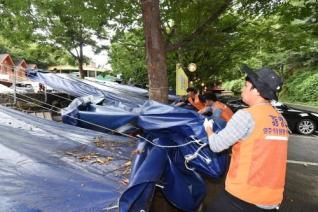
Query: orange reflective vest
{"points": [[196, 102], [258, 164], [226, 111]]}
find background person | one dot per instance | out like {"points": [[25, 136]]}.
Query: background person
{"points": [[216, 108], [259, 135], [194, 100]]}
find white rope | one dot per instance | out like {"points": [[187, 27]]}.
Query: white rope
{"points": [[39, 102], [115, 131], [194, 140], [187, 158], [167, 146], [191, 157], [93, 124]]}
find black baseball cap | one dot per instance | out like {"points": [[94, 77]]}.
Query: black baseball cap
{"points": [[265, 80]]}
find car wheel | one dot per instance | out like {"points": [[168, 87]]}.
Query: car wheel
{"points": [[306, 127]]}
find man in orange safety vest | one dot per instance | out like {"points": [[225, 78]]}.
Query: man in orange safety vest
{"points": [[259, 136]]}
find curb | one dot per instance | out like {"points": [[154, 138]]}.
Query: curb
{"points": [[304, 107]]}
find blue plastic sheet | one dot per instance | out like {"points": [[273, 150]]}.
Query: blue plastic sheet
{"points": [[161, 124], [76, 87], [42, 166], [85, 110], [112, 91], [164, 125]]}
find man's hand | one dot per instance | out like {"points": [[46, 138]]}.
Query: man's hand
{"points": [[208, 126], [208, 123]]}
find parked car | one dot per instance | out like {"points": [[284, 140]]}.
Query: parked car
{"points": [[299, 121], [23, 88]]}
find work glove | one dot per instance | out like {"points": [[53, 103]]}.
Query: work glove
{"points": [[208, 123]]}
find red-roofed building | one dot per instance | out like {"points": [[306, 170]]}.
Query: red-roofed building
{"points": [[20, 68], [6, 68]]}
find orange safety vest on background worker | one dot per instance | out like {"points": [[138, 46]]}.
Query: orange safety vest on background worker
{"points": [[226, 111], [196, 103], [258, 165]]}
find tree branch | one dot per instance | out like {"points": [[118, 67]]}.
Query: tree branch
{"points": [[71, 53], [212, 18]]}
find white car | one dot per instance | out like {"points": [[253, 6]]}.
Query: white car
{"points": [[23, 88]]}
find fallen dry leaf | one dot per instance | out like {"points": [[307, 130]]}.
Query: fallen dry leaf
{"points": [[136, 152], [128, 163], [125, 181]]}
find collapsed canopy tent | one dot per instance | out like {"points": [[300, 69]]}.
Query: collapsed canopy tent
{"points": [[173, 150], [76, 87], [66, 83], [49, 166]]}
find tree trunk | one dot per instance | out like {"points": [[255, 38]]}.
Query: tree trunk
{"points": [[80, 62], [156, 55]]}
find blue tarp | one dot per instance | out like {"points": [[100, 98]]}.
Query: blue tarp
{"points": [[164, 125], [78, 88], [49, 166], [75, 87], [161, 124]]}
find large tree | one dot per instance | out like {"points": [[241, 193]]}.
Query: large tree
{"points": [[157, 47], [174, 28], [217, 35]]}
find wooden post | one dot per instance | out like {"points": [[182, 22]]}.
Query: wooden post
{"points": [[45, 94], [14, 86]]}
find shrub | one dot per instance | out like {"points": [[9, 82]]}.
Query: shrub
{"points": [[234, 85], [302, 87]]}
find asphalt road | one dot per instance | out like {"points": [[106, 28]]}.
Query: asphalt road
{"points": [[301, 190]]}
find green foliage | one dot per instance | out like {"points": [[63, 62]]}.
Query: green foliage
{"points": [[234, 85], [279, 34], [127, 57], [40, 54], [302, 87]]}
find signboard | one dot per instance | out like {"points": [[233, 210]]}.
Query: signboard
{"points": [[181, 81]]}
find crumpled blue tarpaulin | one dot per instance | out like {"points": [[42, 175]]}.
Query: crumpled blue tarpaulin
{"points": [[78, 88], [162, 124], [165, 125], [94, 110], [44, 165]]}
